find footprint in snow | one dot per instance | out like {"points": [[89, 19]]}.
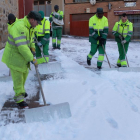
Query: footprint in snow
{"points": [[93, 91], [93, 103], [138, 86], [84, 83], [134, 108], [112, 123]]}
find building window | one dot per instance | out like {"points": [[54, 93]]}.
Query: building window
{"points": [[81, 0], [76, 1]]}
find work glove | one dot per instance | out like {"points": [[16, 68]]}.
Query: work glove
{"points": [[52, 15], [33, 51], [39, 44], [98, 38], [123, 42], [102, 41], [34, 62], [28, 65]]}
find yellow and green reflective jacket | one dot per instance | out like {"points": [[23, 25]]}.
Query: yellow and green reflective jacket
{"points": [[97, 27], [17, 52], [125, 29], [59, 17], [43, 29], [10, 25]]}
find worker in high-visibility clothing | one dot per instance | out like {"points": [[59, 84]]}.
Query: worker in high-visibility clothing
{"points": [[17, 54], [122, 31], [98, 31], [42, 33], [56, 19], [11, 20]]}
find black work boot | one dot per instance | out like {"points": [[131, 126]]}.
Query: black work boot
{"points": [[88, 61], [119, 65], [58, 48], [24, 94], [99, 67], [23, 104]]}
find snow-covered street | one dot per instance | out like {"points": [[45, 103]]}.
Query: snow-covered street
{"points": [[104, 106]]}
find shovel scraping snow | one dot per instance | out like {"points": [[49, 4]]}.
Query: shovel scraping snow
{"points": [[5, 79], [123, 69], [47, 112], [129, 69], [49, 68]]}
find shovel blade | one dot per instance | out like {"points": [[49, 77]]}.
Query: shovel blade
{"points": [[110, 69], [48, 113], [129, 69], [123, 69], [50, 68], [5, 79]]}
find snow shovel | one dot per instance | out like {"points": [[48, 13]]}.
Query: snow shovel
{"points": [[5, 79], [51, 67], [47, 112]]}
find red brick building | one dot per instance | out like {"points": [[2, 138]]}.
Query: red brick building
{"points": [[78, 12]]}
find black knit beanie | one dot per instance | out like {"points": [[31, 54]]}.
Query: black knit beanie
{"points": [[11, 17]]}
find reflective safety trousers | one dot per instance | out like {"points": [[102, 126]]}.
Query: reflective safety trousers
{"points": [[94, 48], [44, 48], [125, 29], [122, 58], [17, 52], [57, 33], [97, 27], [19, 79]]}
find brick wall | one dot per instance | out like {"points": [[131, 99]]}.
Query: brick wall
{"points": [[72, 8], [6, 7], [68, 1], [60, 3]]}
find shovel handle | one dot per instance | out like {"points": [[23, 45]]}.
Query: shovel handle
{"points": [[36, 68], [106, 56], [125, 53]]}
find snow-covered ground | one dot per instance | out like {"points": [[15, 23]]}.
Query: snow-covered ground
{"points": [[104, 106]]}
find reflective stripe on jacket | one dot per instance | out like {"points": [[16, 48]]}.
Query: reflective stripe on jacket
{"points": [[123, 29], [97, 27], [17, 52]]}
